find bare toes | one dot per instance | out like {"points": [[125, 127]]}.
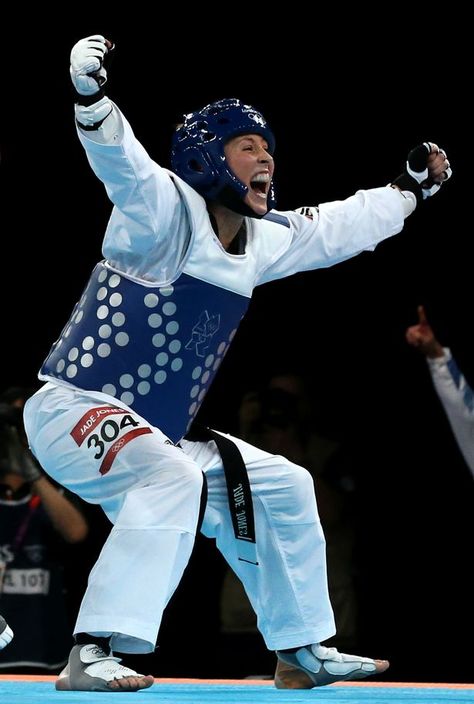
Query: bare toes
{"points": [[131, 684]]}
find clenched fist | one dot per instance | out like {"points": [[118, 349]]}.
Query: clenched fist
{"points": [[87, 64]]}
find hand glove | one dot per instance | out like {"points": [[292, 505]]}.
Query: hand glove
{"points": [[416, 177], [87, 65], [19, 459]]}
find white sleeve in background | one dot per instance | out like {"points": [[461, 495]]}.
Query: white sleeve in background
{"points": [[457, 398]]}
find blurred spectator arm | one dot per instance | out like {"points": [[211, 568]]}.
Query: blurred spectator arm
{"points": [[65, 517], [452, 388]]}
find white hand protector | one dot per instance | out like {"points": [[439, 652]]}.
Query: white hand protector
{"points": [[87, 64]]}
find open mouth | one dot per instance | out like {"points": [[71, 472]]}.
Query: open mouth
{"points": [[260, 184]]}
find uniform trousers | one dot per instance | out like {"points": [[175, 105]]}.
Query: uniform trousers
{"points": [[150, 490]]}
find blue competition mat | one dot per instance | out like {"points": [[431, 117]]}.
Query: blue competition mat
{"points": [[24, 691]]}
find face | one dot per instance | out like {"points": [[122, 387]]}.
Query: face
{"points": [[249, 160]]}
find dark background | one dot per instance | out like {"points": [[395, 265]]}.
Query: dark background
{"points": [[346, 104]]}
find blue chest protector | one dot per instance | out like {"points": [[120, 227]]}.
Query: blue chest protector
{"points": [[154, 348]]}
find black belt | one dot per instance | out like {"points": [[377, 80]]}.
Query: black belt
{"points": [[238, 490]]}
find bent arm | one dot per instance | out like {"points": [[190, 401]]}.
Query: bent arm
{"points": [[149, 230], [457, 399], [139, 188], [65, 517], [146, 202]]}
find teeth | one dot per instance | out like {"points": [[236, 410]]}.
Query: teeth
{"points": [[261, 178]]}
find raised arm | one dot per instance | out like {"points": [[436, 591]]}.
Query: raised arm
{"points": [[144, 194], [335, 231], [452, 388]]}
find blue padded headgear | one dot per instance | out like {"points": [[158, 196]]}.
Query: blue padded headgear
{"points": [[197, 153]]}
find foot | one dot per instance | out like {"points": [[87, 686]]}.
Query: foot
{"points": [[6, 633], [90, 669], [316, 665]]}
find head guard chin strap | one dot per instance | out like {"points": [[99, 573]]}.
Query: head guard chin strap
{"points": [[197, 153]]}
